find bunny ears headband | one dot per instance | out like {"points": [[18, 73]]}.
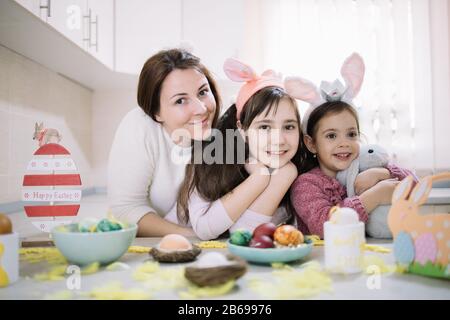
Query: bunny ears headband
{"points": [[240, 72], [352, 72]]}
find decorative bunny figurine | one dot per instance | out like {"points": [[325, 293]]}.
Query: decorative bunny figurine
{"points": [[370, 156], [45, 136], [421, 241]]}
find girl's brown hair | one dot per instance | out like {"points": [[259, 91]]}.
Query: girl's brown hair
{"points": [[331, 107], [212, 181], [155, 71]]}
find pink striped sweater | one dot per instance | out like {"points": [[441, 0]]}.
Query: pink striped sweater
{"points": [[313, 194]]}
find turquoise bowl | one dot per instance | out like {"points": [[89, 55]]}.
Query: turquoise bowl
{"points": [[270, 255], [83, 248]]}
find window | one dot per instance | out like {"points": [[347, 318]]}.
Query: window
{"points": [[311, 39]]}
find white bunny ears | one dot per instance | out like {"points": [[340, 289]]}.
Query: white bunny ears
{"points": [[352, 72], [241, 72]]}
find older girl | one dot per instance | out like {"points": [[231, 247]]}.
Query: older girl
{"points": [[247, 184]]}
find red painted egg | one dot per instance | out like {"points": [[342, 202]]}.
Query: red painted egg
{"points": [[262, 242], [265, 229]]}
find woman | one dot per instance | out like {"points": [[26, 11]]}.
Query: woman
{"points": [[179, 103]]}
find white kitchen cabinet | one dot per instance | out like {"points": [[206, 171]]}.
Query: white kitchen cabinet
{"points": [[66, 16], [144, 27], [215, 30], [101, 35]]}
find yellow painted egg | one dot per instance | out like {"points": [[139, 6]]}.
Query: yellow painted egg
{"points": [[173, 242], [5, 224], [288, 235]]}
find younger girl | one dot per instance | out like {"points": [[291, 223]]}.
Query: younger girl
{"points": [[331, 134], [255, 160]]}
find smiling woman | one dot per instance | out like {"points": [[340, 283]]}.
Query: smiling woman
{"points": [[178, 103]]}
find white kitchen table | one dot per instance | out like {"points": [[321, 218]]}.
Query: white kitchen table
{"points": [[393, 286]]}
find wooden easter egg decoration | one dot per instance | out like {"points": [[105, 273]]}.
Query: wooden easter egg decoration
{"points": [[51, 187]]}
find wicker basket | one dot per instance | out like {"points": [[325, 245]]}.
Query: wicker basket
{"points": [[175, 256], [216, 275]]}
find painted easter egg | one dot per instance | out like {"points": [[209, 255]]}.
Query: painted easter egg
{"points": [[106, 225], [265, 229], [426, 248], [288, 235], [241, 237], [172, 242], [262, 242], [404, 248], [51, 187]]}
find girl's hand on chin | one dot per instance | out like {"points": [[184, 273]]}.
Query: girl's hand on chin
{"points": [[367, 179], [254, 166]]}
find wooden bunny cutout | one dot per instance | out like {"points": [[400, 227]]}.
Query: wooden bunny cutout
{"points": [[45, 135], [422, 241]]}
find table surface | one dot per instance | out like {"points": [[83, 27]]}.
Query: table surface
{"points": [[392, 286]]}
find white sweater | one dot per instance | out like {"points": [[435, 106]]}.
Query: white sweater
{"points": [[146, 168]]}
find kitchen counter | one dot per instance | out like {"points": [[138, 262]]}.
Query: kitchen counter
{"points": [[392, 286]]}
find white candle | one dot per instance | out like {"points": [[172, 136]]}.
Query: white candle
{"points": [[344, 237]]}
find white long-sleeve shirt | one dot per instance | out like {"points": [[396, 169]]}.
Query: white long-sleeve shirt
{"points": [[146, 168]]}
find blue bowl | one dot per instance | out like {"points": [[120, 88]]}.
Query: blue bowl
{"points": [[83, 248], [270, 255]]}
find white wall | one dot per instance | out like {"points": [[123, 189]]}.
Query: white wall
{"points": [[30, 93]]}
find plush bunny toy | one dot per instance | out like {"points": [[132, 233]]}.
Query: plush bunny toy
{"points": [[370, 156]]}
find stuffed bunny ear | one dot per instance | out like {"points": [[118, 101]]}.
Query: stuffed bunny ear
{"points": [[302, 89], [238, 71], [353, 73]]}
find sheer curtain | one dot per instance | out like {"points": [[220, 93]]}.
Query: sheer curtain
{"points": [[311, 38]]}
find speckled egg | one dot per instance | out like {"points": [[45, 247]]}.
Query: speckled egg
{"points": [[106, 225], [241, 237], [5, 224], [172, 242], [288, 235]]}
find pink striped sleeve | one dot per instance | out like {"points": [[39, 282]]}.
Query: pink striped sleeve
{"points": [[400, 173], [311, 205], [356, 204]]}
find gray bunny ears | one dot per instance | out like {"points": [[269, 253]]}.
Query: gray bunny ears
{"points": [[352, 72]]}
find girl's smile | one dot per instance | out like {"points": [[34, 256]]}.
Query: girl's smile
{"points": [[335, 142], [343, 156]]}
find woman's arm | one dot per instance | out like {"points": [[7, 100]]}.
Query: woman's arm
{"points": [[152, 225]]}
